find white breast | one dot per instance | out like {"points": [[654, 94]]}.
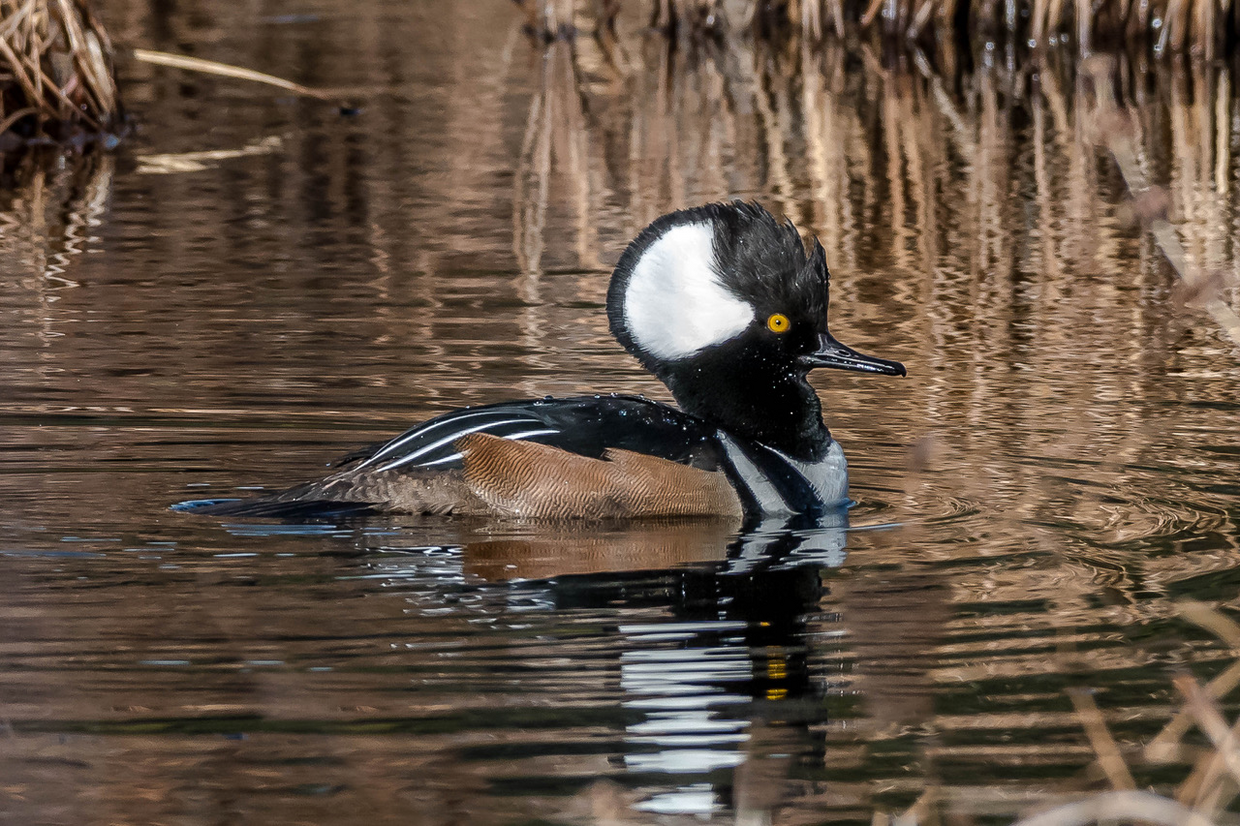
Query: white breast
{"points": [[827, 478]]}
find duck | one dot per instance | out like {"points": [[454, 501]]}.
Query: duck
{"points": [[727, 307]]}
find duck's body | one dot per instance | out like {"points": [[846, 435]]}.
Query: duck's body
{"points": [[722, 304], [590, 457]]}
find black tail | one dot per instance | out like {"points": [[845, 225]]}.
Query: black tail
{"points": [[275, 507]]}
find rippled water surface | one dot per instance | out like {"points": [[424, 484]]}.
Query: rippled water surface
{"points": [[255, 284]]}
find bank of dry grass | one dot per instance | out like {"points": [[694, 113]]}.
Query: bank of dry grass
{"points": [[1200, 27], [57, 80]]}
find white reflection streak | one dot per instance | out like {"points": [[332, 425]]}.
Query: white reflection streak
{"points": [[680, 692]]}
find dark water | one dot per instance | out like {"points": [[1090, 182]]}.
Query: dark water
{"points": [[255, 284]]}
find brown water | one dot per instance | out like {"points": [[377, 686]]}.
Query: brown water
{"points": [[255, 284]]}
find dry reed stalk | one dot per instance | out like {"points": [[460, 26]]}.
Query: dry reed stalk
{"points": [[1218, 624], [1084, 19], [57, 80], [1211, 786], [1054, 18], [1104, 745], [552, 19], [1206, 788], [1165, 746], [920, 18], [811, 19], [211, 67], [871, 11], [1209, 719], [1204, 33], [923, 810]]}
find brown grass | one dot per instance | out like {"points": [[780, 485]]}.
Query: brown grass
{"points": [[57, 80], [1199, 27], [1202, 799]]}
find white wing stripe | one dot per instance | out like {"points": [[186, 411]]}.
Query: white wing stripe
{"points": [[456, 456], [422, 451], [444, 460], [419, 432], [525, 434]]}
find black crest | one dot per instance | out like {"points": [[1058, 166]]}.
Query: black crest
{"points": [[764, 261], [757, 258]]}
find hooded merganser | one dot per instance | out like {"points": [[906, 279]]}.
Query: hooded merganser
{"points": [[723, 305]]}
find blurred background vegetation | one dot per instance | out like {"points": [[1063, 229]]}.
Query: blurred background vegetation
{"points": [[58, 83]]}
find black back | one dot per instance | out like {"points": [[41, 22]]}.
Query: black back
{"points": [[586, 425]]}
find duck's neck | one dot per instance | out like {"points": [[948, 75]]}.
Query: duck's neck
{"points": [[776, 407]]}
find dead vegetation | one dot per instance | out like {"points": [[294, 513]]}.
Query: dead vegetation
{"points": [[1199, 27], [1198, 736], [58, 84], [57, 79], [1206, 796]]}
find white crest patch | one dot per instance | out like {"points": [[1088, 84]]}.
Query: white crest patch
{"points": [[674, 304]]}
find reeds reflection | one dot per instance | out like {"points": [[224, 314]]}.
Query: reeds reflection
{"points": [[50, 210], [50, 206], [831, 135]]}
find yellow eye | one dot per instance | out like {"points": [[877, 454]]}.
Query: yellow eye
{"points": [[778, 323]]}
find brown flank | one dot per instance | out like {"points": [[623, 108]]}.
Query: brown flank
{"points": [[527, 479]]}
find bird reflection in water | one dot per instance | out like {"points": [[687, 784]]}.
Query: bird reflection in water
{"points": [[709, 666], [715, 652], [736, 645]]}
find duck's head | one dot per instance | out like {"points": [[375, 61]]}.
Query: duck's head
{"points": [[722, 303]]}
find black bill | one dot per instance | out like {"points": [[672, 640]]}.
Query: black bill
{"points": [[831, 353]]}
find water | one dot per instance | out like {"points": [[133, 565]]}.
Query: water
{"points": [[255, 284]]}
